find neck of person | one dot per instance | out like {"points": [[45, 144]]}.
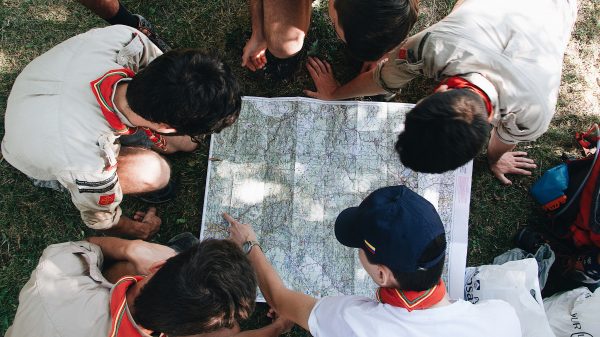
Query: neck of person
{"points": [[132, 294], [122, 105]]}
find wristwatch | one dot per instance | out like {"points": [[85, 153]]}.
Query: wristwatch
{"points": [[247, 246]]}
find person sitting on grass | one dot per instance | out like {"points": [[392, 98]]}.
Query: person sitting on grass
{"points": [[94, 115], [146, 290], [499, 62], [401, 244], [369, 28]]}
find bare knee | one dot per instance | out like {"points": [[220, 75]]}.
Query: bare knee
{"points": [[142, 170], [106, 9], [285, 42]]}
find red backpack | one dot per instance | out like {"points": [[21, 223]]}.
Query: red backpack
{"points": [[579, 217]]}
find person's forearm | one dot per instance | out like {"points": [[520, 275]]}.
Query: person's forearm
{"points": [[112, 248], [117, 250], [361, 85], [271, 330], [256, 12], [290, 304], [131, 228], [268, 279], [496, 148]]}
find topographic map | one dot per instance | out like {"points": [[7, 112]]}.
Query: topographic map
{"points": [[288, 166]]}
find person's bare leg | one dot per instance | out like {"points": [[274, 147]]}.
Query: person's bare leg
{"points": [[285, 25], [112, 11], [105, 9], [142, 170]]}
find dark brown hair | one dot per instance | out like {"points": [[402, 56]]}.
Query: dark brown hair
{"points": [[444, 131], [374, 27], [206, 288]]}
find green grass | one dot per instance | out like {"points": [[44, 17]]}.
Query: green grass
{"points": [[32, 218]]}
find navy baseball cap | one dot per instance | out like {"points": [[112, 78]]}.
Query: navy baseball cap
{"points": [[394, 226]]}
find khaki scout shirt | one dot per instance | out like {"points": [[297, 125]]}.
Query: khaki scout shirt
{"points": [[66, 296], [54, 128], [511, 49]]}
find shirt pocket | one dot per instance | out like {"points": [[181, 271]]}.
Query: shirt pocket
{"points": [[131, 54], [109, 148]]}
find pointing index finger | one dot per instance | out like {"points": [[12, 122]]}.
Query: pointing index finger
{"points": [[230, 219]]}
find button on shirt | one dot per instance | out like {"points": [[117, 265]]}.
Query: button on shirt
{"points": [[54, 128], [514, 49]]}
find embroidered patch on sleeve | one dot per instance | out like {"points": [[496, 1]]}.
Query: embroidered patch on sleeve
{"points": [[402, 54], [106, 199]]}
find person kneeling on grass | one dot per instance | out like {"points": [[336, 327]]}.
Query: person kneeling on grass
{"points": [[94, 115], [498, 62], [206, 290], [402, 245]]}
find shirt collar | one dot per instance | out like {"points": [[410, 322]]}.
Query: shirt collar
{"points": [[486, 86]]}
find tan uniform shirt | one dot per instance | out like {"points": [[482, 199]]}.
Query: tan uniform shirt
{"points": [[511, 49], [54, 128], [66, 296]]}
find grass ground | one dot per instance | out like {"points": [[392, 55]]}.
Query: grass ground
{"points": [[32, 218]]}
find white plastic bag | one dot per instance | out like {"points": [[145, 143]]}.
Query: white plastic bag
{"points": [[574, 313], [515, 282]]}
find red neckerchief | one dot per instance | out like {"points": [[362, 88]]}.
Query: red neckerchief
{"points": [[457, 82], [121, 325], [103, 89], [412, 300]]}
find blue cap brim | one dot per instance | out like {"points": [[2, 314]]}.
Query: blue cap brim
{"points": [[347, 228]]}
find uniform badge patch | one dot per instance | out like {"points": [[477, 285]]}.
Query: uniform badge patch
{"points": [[402, 54], [106, 199]]}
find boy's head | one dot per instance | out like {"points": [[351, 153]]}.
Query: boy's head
{"points": [[191, 91], [209, 287], [444, 131], [371, 28], [398, 231]]}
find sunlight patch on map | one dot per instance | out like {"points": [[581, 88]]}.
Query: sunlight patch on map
{"points": [[252, 191]]}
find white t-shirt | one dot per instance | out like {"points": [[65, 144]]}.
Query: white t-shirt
{"points": [[348, 316]]}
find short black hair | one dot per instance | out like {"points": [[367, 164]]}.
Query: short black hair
{"points": [[423, 279], [444, 131], [208, 287], [188, 89], [374, 27]]}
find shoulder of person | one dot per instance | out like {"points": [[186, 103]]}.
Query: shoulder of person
{"points": [[68, 253], [497, 310], [329, 304]]}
